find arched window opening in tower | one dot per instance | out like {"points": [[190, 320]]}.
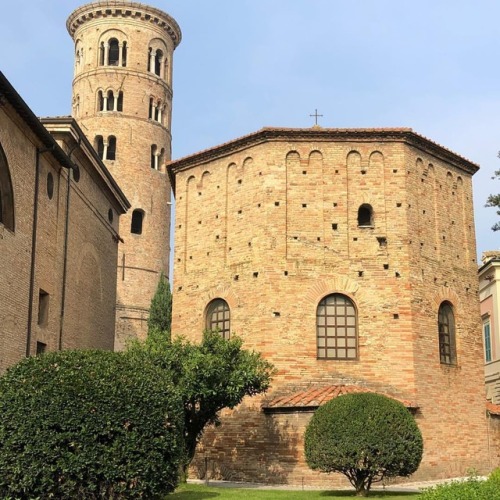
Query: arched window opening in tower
{"points": [[119, 103], [218, 318], [6, 193], [99, 146], [365, 216], [111, 152], [336, 328], [137, 220], [151, 108], [446, 328], [100, 101], [154, 157], [110, 101], [158, 62], [113, 52], [124, 54], [102, 52]]}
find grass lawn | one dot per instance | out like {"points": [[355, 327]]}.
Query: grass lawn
{"points": [[198, 492]]}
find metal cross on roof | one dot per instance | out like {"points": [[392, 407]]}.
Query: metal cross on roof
{"points": [[316, 116]]}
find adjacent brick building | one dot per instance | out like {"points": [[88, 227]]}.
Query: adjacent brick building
{"points": [[122, 99], [59, 213], [347, 258]]}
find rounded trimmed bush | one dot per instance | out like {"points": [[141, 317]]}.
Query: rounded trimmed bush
{"points": [[89, 424], [365, 436]]}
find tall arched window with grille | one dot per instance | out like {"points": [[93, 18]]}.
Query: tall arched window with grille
{"points": [[336, 328], [6, 193], [446, 328], [218, 317]]}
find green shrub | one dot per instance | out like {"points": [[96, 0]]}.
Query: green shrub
{"points": [[471, 489], [365, 436], [88, 424], [494, 477]]}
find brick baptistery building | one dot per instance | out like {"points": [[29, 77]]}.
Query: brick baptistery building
{"points": [[347, 258]]}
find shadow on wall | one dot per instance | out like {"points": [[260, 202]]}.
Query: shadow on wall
{"points": [[250, 446]]}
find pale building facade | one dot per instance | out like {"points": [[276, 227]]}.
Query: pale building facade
{"points": [[489, 295], [59, 217], [347, 258], [122, 99]]}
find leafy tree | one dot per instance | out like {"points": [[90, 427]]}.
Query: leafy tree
{"points": [[212, 375], [89, 424], [493, 200], [160, 311], [365, 436]]}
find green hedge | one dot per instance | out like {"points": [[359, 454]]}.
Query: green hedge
{"points": [[88, 424], [471, 489]]}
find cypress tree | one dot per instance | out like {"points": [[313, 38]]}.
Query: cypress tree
{"points": [[160, 311]]}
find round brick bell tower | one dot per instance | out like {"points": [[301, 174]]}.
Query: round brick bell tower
{"points": [[122, 100]]}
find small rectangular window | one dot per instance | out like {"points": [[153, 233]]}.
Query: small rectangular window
{"points": [[43, 308], [41, 347]]}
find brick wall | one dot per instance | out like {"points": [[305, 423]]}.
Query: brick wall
{"points": [[270, 224]]}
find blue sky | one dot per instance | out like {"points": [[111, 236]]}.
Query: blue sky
{"points": [[245, 64]]}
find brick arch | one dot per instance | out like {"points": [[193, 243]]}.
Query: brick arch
{"points": [[292, 155], [224, 292], [353, 159], [335, 284], [446, 294], [376, 159], [315, 154], [205, 178]]}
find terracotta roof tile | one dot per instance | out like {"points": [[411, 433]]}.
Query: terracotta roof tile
{"points": [[317, 396], [493, 409]]}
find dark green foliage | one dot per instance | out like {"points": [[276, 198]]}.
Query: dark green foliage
{"points": [[365, 436], [88, 424], [160, 311], [471, 489], [493, 200], [213, 375]]}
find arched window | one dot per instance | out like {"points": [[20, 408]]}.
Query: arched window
{"points": [[6, 193], [100, 101], [154, 157], [151, 108], [336, 328], [365, 216], [124, 54], [111, 151], [158, 62], [113, 52], [446, 327], [110, 105], [218, 317], [102, 53], [137, 220], [99, 146], [119, 104]]}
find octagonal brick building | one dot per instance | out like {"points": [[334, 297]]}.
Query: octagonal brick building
{"points": [[347, 258], [122, 99]]}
